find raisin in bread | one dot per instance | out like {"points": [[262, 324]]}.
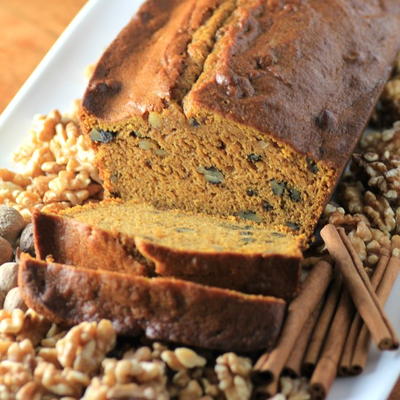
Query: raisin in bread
{"points": [[161, 308], [142, 240], [247, 107]]}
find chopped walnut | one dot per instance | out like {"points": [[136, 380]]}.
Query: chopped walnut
{"points": [[85, 345], [22, 352], [358, 244], [96, 390], [383, 172], [382, 238], [129, 377], [11, 322], [363, 231], [233, 373], [170, 358], [62, 382], [35, 391], [332, 208], [143, 371], [369, 218], [31, 390], [182, 358], [375, 209], [188, 358], [387, 140], [347, 221], [352, 197], [14, 375], [49, 355], [57, 164], [195, 383]]}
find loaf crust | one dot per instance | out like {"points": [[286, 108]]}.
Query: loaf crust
{"points": [[276, 275], [161, 308], [307, 72], [77, 239]]}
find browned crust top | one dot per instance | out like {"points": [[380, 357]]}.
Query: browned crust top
{"points": [[139, 70], [306, 71]]}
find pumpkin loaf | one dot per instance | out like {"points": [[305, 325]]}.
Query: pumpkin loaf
{"points": [[161, 308], [142, 240], [239, 107]]}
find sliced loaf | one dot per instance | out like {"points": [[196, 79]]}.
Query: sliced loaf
{"points": [[136, 238]]}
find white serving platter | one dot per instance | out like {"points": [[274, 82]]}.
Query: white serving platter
{"points": [[59, 79]]}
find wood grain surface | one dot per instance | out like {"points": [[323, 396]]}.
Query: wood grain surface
{"points": [[28, 28]]}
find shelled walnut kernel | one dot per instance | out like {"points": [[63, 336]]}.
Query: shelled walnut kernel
{"points": [[56, 166]]}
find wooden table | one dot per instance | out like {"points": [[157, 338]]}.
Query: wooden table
{"points": [[28, 28]]}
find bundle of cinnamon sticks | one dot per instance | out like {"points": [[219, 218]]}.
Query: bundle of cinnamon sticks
{"points": [[330, 324]]}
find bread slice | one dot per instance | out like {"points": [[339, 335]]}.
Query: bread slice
{"points": [[161, 308], [140, 239], [247, 107]]}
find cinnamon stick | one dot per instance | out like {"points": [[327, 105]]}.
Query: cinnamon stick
{"points": [[322, 326], [269, 366], [294, 363], [360, 354], [352, 338], [359, 286], [326, 369]]}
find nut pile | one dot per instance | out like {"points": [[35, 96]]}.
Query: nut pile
{"points": [[39, 360], [369, 196], [379, 163], [56, 167]]}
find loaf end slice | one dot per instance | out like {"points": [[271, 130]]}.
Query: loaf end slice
{"points": [[222, 252], [161, 308], [71, 242]]}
